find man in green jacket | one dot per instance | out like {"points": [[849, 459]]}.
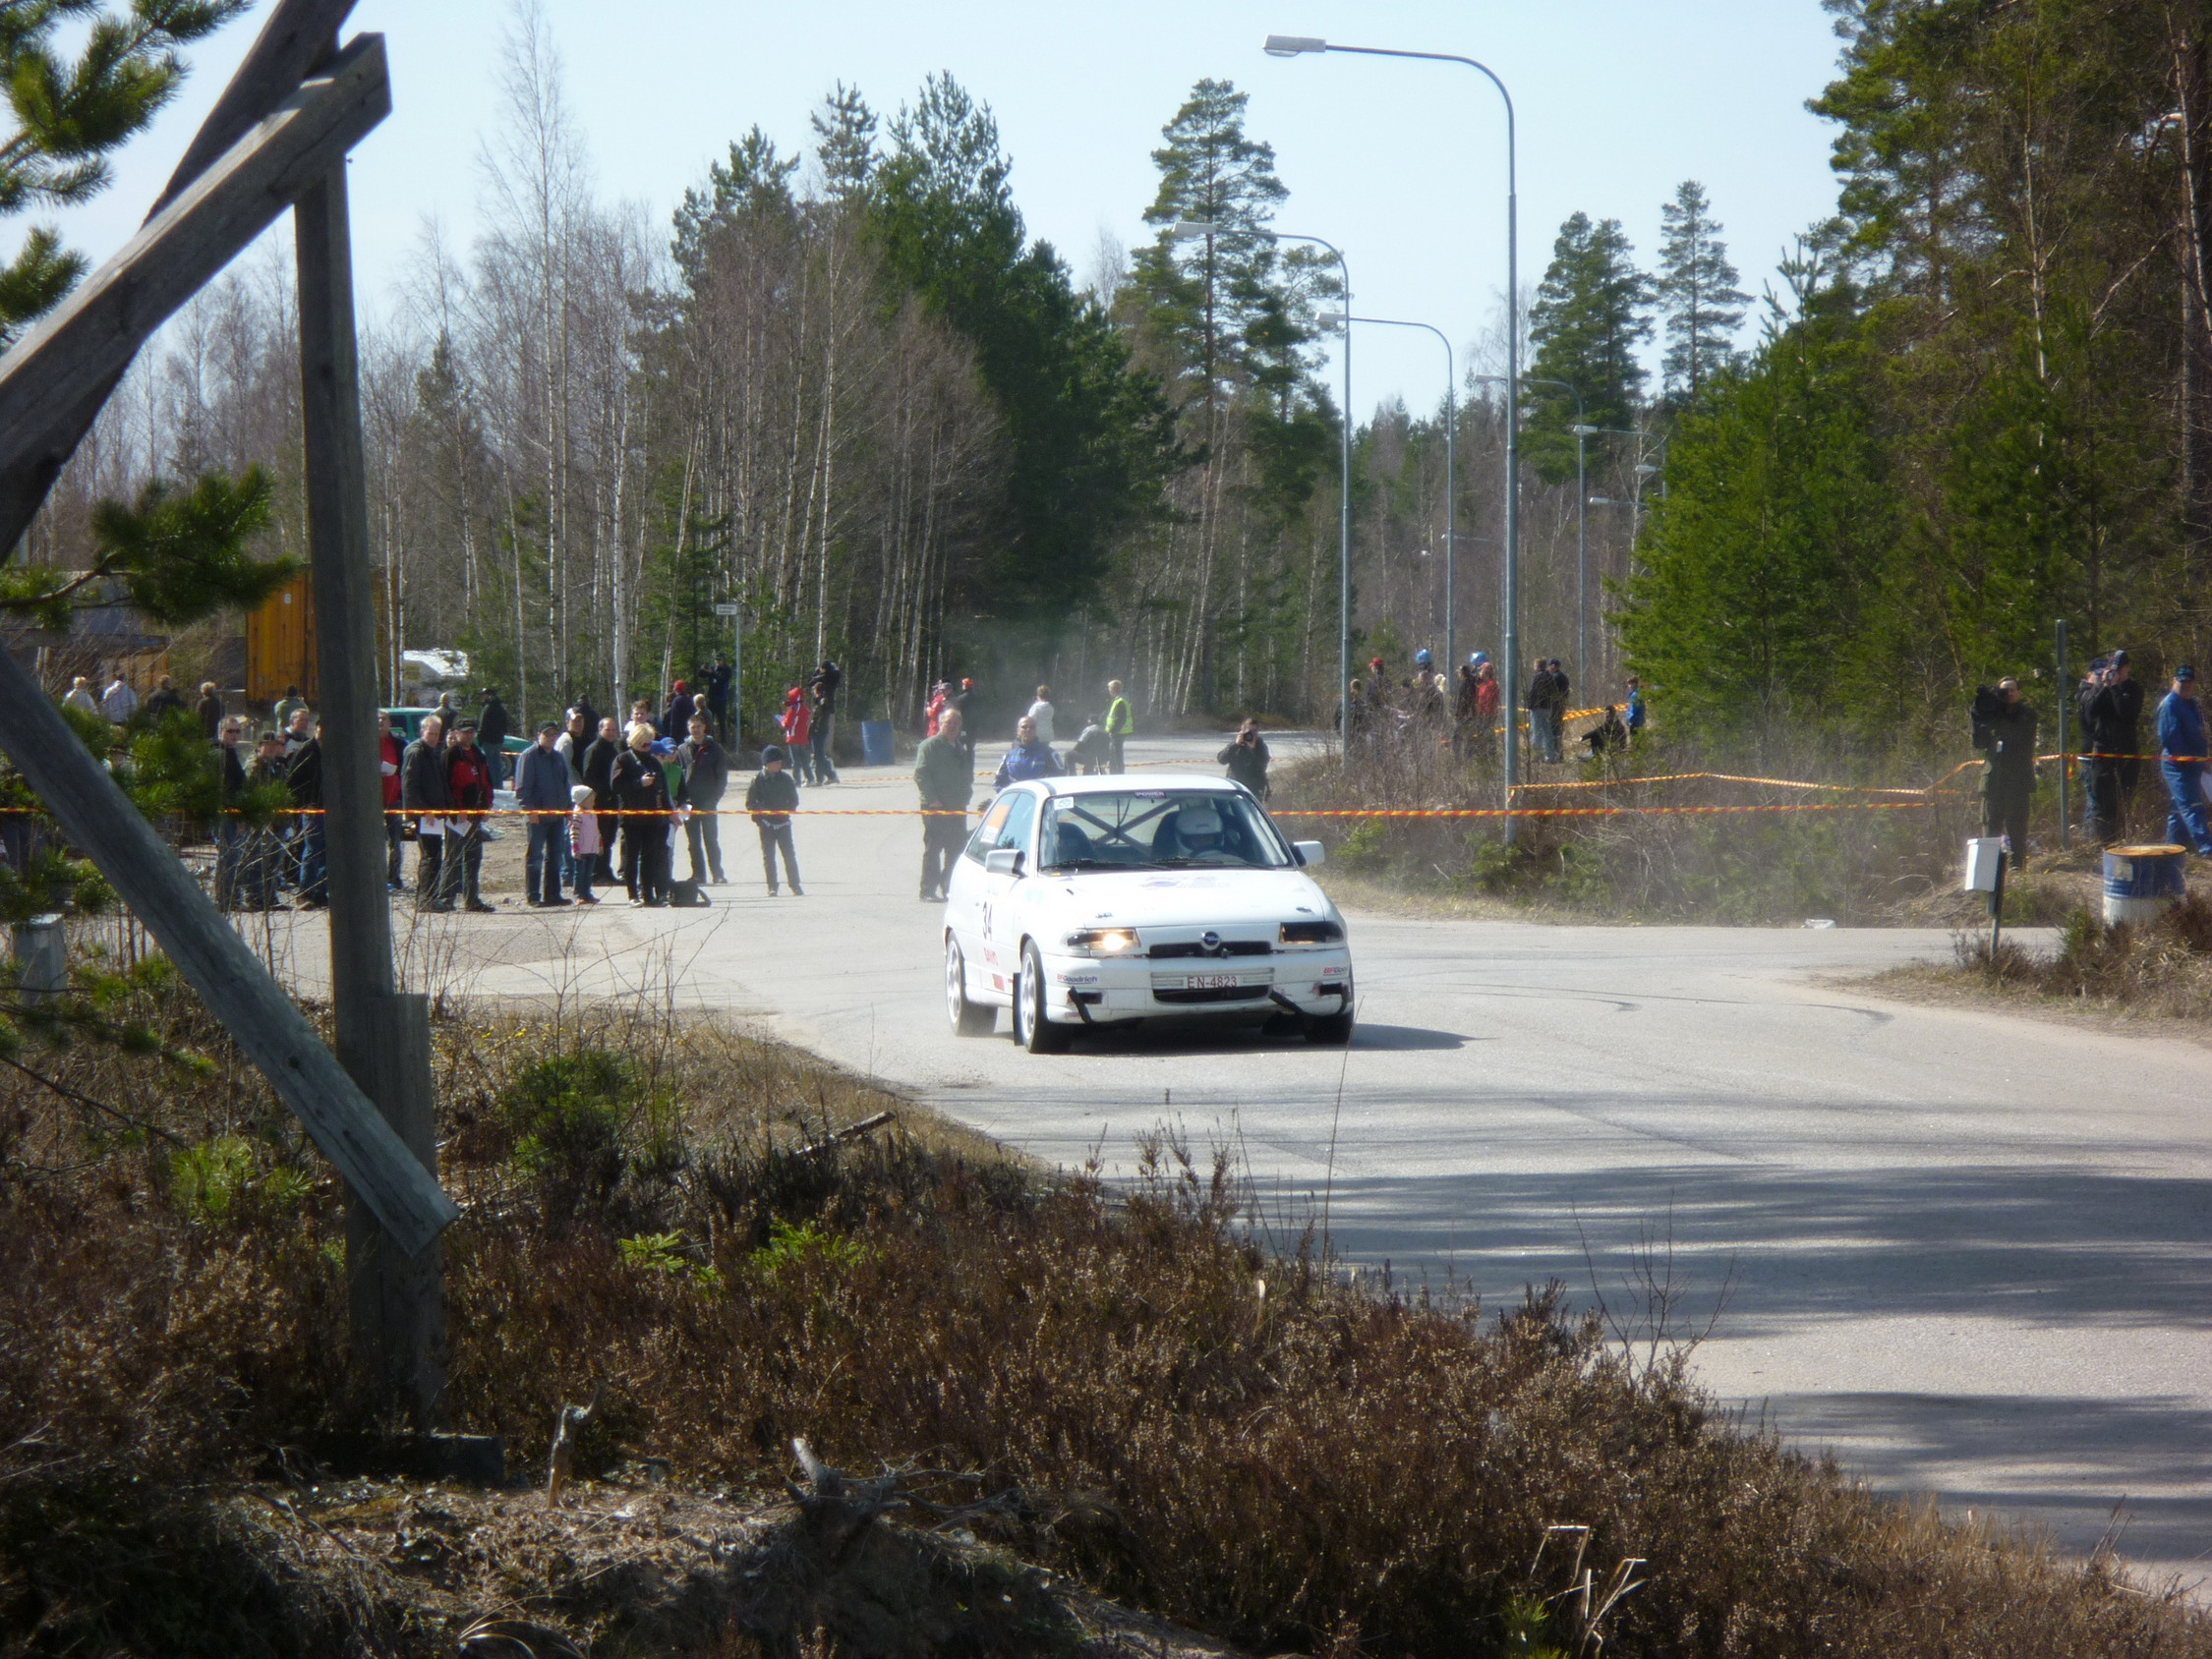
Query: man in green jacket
{"points": [[946, 778], [1120, 725]]}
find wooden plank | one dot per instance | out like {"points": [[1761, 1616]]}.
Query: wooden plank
{"points": [[93, 334], [252, 1007], [396, 1307], [298, 37]]}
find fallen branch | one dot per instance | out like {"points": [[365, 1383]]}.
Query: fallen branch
{"points": [[852, 1132]]}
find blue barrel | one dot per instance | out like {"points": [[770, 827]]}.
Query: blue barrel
{"points": [[876, 746], [2140, 881]]}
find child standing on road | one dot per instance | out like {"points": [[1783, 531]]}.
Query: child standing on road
{"points": [[771, 800], [583, 838]]}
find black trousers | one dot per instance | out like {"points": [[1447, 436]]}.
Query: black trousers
{"points": [[703, 830], [645, 858], [2005, 812], [395, 842], [773, 837], [942, 841], [433, 881]]}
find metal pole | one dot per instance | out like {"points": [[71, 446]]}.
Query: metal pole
{"points": [[396, 1302], [1582, 565], [1511, 648], [2065, 761], [1451, 498]]}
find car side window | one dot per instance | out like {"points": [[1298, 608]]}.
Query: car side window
{"points": [[1016, 835], [986, 835]]}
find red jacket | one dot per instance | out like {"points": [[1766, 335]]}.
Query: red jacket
{"points": [[798, 722], [391, 754]]}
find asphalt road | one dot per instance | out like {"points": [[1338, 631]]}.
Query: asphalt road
{"points": [[1966, 1251]]}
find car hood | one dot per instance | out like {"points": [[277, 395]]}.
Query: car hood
{"points": [[1150, 898]]}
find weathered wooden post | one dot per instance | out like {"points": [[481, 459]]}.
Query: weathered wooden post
{"points": [[397, 1301], [279, 134]]}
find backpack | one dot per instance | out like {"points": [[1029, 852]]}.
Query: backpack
{"points": [[686, 895], [1989, 707]]}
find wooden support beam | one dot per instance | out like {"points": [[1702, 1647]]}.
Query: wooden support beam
{"points": [[396, 1303], [62, 364], [297, 37], [69, 360]]}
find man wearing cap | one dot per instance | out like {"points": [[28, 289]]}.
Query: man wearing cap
{"points": [[2008, 778], [2112, 716], [2180, 759]]}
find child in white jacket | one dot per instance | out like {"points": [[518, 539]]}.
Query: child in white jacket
{"points": [[583, 840]]}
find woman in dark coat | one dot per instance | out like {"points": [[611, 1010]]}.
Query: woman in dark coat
{"points": [[641, 792]]}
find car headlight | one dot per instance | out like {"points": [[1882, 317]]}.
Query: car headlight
{"points": [[1311, 933], [1102, 942]]}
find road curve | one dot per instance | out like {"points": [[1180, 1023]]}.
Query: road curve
{"points": [[1966, 1251]]}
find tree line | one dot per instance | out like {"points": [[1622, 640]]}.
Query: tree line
{"points": [[845, 389], [1982, 399]]}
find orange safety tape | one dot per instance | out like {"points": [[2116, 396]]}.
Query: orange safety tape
{"points": [[1730, 777], [1602, 812]]}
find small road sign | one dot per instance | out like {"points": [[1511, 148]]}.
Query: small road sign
{"points": [[725, 611]]}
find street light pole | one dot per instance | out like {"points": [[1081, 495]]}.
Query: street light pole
{"points": [[1451, 493], [1189, 230], [1295, 45]]}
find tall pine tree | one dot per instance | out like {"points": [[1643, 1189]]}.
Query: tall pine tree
{"points": [[1592, 312], [1696, 294]]}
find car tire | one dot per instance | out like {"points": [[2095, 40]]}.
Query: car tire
{"points": [[969, 1018], [1330, 1031], [1032, 1029]]}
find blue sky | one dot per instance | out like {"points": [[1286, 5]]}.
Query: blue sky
{"points": [[1401, 163]]}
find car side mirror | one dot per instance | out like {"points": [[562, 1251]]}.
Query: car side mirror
{"points": [[1309, 853], [1003, 861]]}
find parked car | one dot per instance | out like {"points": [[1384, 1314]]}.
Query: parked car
{"points": [[414, 716], [1097, 902]]}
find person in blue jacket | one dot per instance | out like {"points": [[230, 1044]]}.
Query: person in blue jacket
{"points": [[2180, 759], [1031, 756]]}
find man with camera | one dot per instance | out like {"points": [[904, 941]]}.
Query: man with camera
{"points": [[2112, 714], [2005, 731]]}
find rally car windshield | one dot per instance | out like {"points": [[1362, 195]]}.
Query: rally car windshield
{"points": [[1158, 829]]}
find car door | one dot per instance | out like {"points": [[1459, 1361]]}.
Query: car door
{"points": [[964, 893], [1001, 917]]}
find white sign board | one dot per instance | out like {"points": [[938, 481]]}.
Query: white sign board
{"points": [[726, 611], [1985, 857]]}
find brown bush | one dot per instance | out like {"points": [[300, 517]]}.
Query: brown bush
{"points": [[1235, 1441]]}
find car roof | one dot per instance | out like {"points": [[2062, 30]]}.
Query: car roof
{"points": [[1133, 782]]}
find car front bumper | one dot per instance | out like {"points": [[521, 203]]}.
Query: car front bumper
{"points": [[1101, 991]]}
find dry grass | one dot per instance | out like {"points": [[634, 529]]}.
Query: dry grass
{"points": [[1159, 1408], [2159, 969], [1870, 868]]}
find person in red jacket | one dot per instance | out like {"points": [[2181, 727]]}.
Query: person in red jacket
{"points": [[391, 750], [798, 722]]}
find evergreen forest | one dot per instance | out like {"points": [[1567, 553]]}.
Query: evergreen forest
{"points": [[844, 388]]}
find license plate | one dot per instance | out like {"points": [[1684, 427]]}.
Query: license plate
{"points": [[1212, 982]]}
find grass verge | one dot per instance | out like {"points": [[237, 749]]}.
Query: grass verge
{"points": [[1122, 1385]]}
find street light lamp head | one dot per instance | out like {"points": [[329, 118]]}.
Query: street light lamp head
{"points": [[1645, 468], [1191, 230], [1330, 318], [1294, 45], [1584, 432]]}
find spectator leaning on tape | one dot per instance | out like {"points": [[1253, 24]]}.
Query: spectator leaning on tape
{"points": [[946, 778], [2180, 759]]}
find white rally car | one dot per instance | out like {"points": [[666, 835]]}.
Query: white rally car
{"points": [[1095, 901]]}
